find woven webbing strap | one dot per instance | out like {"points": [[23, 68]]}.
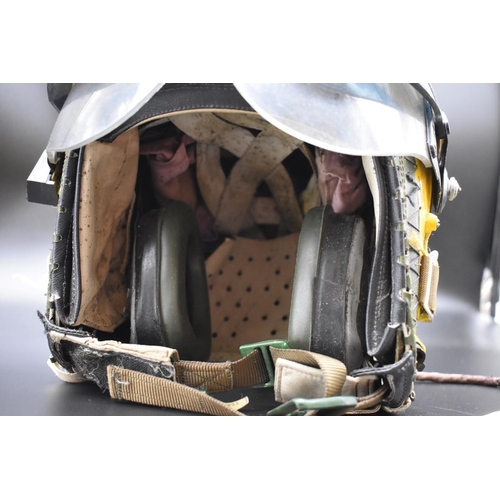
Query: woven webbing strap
{"points": [[231, 201], [195, 379], [128, 385], [429, 278], [334, 371], [192, 377], [220, 377]]}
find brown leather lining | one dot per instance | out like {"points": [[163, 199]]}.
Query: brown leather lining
{"points": [[107, 197]]}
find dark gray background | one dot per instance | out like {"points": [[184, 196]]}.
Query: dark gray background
{"points": [[460, 340]]}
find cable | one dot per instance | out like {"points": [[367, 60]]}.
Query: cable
{"points": [[458, 378]]}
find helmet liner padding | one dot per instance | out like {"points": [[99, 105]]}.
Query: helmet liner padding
{"points": [[89, 283], [108, 179], [259, 159], [330, 287], [341, 289], [169, 303], [250, 283]]}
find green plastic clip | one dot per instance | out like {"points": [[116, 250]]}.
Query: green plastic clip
{"points": [[337, 405], [268, 360]]}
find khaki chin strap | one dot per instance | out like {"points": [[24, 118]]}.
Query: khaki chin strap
{"points": [[154, 375], [127, 385], [231, 201], [193, 380], [298, 374]]}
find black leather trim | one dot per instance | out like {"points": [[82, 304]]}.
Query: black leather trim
{"points": [[385, 305], [379, 296], [55, 347], [93, 363], [398, 304], [65, 282], [49, 326], [398, 376], [174, 97], [76, 288]]}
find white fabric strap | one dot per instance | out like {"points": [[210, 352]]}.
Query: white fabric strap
{"points": [[293, 380]]}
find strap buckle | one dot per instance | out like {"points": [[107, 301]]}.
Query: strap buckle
{"points": [[300, 406], [264, 346]]}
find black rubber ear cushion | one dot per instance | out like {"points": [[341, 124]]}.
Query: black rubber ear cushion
{"points": [[330, 287], [170, 305]]}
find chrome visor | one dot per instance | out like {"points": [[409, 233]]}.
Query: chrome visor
{"points": [[92, 110], [364, 119]]}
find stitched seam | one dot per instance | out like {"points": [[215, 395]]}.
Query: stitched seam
{"points": [[200, 381]]}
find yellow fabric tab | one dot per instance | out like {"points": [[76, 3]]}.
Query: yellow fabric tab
{"points": [[429, 268], [429, 278], [428, 221]]}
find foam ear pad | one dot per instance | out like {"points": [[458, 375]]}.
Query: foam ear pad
{"points": [[330, 287], [170, 305]]}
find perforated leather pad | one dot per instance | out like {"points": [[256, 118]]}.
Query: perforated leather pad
{"points": [[250, 287]]}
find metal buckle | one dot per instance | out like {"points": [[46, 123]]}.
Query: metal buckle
{"points": [[268, 360], [300, 406]]}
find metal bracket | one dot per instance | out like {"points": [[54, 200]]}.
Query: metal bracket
{"points": [[40, 187]]}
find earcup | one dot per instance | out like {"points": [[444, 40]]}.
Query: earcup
{"points": [[170, 305], [330, 287]]}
